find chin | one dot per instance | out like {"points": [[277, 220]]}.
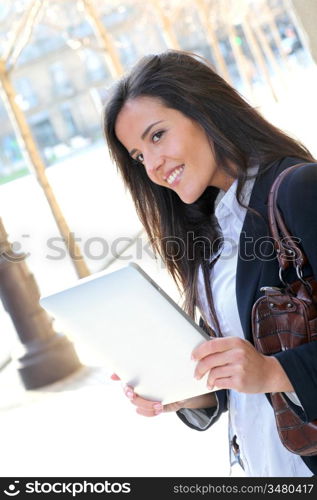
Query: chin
{"points": [[190, 198], [189, 201]]}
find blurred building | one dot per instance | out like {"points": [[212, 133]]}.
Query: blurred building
{"points": [[62, 73]]}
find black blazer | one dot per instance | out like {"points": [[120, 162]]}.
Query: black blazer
{"points": [[257, 266], [297, 200]]}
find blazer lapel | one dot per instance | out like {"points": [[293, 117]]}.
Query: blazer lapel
{"points": [[252, 246]]}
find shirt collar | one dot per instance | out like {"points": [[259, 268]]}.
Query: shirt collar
{"points": [[226, 203]]}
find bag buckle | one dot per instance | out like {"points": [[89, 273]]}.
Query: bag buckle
{"points": [[299, 273]]}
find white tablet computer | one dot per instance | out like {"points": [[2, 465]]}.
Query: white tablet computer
{"points": [[139, 332]]}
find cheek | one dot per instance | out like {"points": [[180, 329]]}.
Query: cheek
{"points": [[185, 150], [196, 146]]}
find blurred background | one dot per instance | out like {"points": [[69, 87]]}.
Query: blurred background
{"points": [[65, 213]]}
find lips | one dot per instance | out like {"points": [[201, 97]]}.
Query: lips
{"points": [[173, 174]]}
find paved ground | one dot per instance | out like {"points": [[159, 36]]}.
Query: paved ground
{"points": [[84, 426]]}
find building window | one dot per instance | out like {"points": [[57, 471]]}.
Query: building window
{"points": [[69, 121], [95, 66], [45, 134], [62, 85], [25, 94], [10, 148]]}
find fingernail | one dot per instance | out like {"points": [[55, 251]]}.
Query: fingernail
{"points": [[210, 387], [157, 412], [197, 377], [129, 394], [158, 407]]}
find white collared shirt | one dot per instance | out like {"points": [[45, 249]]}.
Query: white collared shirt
{"points": [[251, 417]]}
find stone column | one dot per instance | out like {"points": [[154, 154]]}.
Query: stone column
{"points": [[47, 356]]}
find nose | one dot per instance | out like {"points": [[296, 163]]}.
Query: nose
{"points": [[152, 162]]}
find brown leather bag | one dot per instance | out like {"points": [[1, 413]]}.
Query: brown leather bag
{"points": [[285, 318]]}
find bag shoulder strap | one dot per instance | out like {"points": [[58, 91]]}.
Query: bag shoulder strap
{"points": [[288, 252]]}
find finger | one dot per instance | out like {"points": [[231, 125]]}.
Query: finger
{"points": [[114, 376], [224, 383], [147, 412], [219, 373], [144, 404], [129, 392], [211, 362], [214, 345], [202, 350]]}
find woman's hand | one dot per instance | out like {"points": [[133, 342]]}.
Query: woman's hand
{"points": [[234, 363], [149, 408]]}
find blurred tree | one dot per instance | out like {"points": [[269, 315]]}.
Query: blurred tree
{"points": [[20, 36], [306, 12]]}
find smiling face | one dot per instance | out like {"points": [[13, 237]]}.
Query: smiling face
{"points": [[174, 150]]}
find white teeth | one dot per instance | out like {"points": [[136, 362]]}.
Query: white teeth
{"points": [[171, 178]]}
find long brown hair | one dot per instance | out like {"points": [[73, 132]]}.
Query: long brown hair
{"points": [[186, 235]]}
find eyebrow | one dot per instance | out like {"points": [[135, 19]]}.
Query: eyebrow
{"points": [[146, 131]]}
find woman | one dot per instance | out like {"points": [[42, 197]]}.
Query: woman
{"points": [[198, 159]]}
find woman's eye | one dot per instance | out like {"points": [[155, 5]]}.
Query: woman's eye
{"points": [[157, 136], [139, 158]]}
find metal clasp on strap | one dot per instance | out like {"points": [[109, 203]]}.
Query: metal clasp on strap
{"points": [[299, 273]]}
